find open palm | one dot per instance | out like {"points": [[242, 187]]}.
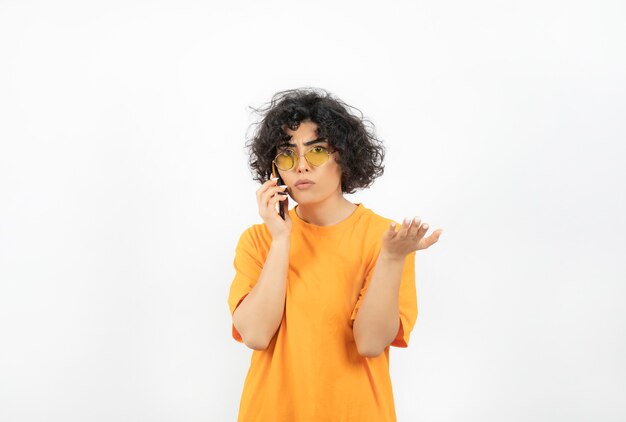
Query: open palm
{"points": [[409, 238]]}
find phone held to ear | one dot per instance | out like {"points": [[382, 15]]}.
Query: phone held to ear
{"points": [[281, 204]]}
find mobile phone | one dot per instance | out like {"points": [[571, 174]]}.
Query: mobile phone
{"points": [[281, 204]]}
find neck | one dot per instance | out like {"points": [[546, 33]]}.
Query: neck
{"points": [[329, 212]]}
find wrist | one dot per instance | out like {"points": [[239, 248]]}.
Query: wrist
{"points": [[391, 257], [281, 241]]}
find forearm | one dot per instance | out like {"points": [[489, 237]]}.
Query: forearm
{"points": [[259, 315], [378, 318]]}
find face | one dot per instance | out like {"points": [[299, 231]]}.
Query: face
{"points": [[326, 178]]}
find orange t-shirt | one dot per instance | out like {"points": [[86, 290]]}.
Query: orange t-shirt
{"points": [[311, 369]]}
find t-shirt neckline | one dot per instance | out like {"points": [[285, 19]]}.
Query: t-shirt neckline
{"points": [[346, 222]]}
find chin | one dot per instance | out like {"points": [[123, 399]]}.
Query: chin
{"points": [[308, 199]]}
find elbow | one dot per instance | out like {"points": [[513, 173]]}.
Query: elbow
{"points": [[365, 347], [255, 345], [252, 342], [370, 347], [367, 351]]}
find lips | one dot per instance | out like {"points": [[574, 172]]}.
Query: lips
{"points": [[304, 181]]}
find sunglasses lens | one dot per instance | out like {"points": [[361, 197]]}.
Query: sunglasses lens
{"points": [[317, 156], [284, 161]]}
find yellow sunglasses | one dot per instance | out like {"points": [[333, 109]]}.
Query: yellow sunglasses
{"points": [[316, 156]]}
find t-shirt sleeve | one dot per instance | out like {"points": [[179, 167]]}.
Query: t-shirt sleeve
{"points": [[407, 300], [248, 267]]}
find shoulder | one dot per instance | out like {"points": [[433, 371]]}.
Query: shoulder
{"points": [[256, 235], [375, 221]]}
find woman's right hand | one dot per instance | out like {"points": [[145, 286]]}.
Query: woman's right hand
{"points": [[267, 197]]}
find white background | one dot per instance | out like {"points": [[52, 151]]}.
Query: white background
{"points": [[124, 188]]}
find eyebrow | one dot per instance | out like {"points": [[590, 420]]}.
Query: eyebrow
{"points": [[314, 141]]}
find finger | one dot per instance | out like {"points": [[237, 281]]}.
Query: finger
{"points": [[266, 200], [392, 229], [287, 217], [272, 182], [404, 228], [270, 206], [277, 189], [273, 191], [415, 227], [265, 186], [407, 226], [430, 240], [421, 231], [274, 200]]}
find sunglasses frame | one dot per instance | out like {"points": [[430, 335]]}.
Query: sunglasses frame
{"points": [[297, 160]]}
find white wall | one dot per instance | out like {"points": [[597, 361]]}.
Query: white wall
{"points": [[124, 188]]}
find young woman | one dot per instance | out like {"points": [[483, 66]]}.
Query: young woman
{"points": [[322, 294]]}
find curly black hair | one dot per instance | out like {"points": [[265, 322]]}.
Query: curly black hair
{"points": [[361, 153]]}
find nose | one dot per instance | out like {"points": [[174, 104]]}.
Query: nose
{"points": [[302, 164]]}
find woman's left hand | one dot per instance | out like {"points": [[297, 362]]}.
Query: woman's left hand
{"points": [[410, 237]]}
